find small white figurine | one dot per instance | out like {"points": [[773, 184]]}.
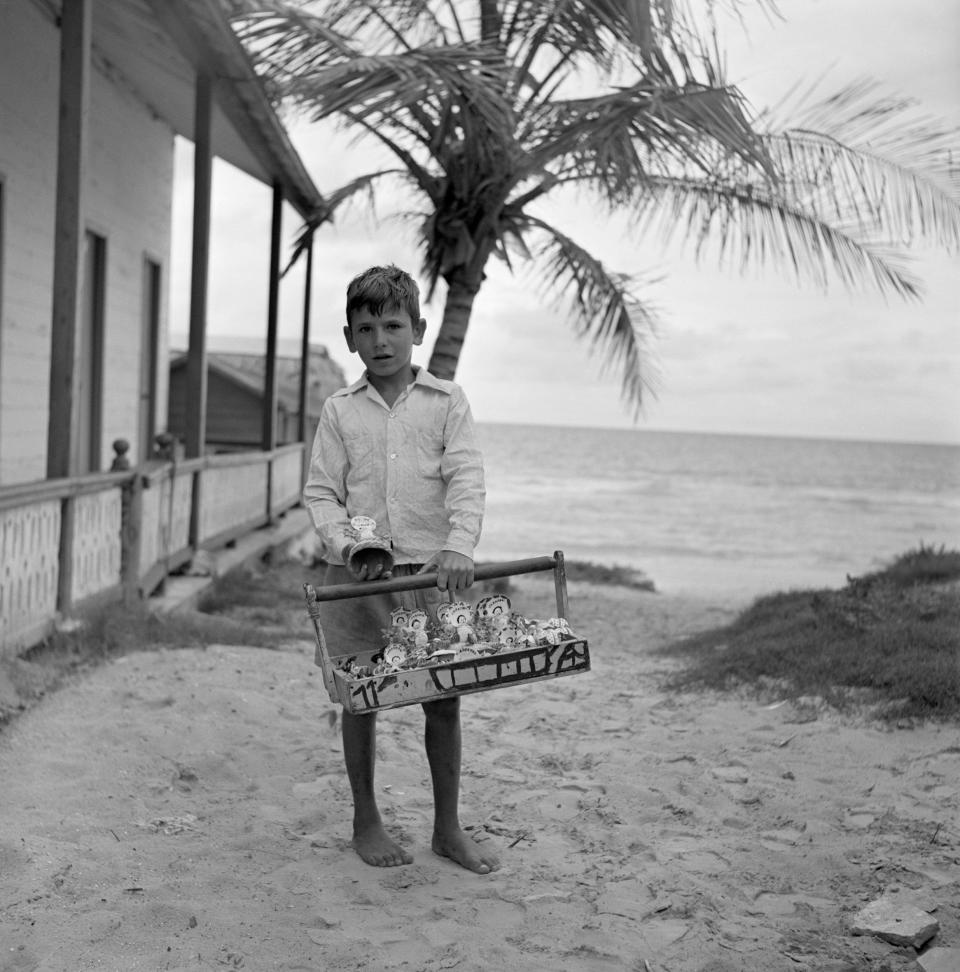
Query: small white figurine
{"points": [[417, 624], [394, 655], [368, 546], [400, 618], [494, 605]]}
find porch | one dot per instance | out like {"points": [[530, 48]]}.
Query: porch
{"points": [[69, 544]]}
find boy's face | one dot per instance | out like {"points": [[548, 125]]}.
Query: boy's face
{"points": [[384, 341]]}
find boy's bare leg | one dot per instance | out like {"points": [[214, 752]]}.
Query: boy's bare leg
{"points": [[443, 745], [370, 840]]}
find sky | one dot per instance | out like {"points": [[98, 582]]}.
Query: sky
{"points": [[742, 354]]}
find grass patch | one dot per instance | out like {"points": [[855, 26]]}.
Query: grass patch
{"points": [[587, 572], [614, 576], [265, 592], [889, 639]]}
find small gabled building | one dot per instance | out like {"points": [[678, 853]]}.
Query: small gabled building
{"points": [[235, 390]]}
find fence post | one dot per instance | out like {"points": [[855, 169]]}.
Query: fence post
{"points": [[68, 516], [130, 530], [131, 517], [271, 474]]}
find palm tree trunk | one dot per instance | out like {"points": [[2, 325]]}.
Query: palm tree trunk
{"points": [[463, 284]]}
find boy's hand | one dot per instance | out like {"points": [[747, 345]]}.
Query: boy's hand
{"points": [[368, 564], [454, 570]]}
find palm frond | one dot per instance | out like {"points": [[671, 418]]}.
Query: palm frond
{"points": [[379, 87], [751, 226], [604, 309], [331, 203], [598, 31], [310, 61], [285, 40], [872, 159], [280, 27], [616, 140], [399, 24]]}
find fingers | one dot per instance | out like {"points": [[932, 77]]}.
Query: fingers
{"points": [[454, 572], [455, 580], [369, 570], [449, 578]]}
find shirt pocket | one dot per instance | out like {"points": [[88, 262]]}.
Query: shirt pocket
{"points": [[429, 452]]}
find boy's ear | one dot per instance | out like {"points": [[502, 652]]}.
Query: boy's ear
{"points": [[418, 328], [348, 335]]}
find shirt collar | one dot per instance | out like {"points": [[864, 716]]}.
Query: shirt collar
{"points": [[420, 377], [423, 377]]}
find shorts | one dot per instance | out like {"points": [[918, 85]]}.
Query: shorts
{"points": [[352, 625]]}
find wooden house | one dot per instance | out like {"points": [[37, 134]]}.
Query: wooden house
{"points": [[92, 96]]}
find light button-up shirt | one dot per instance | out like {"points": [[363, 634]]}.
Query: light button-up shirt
{"points": [[415, 468]]}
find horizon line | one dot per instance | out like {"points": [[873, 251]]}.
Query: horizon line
{"points": [[811, 437]]}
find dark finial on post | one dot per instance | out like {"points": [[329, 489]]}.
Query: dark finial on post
{"points": [[164, 444], [120, 460]]}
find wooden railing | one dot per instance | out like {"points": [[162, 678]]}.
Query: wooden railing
{"points": [[66, 544]]}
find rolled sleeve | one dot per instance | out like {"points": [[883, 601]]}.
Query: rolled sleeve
{"points": [[324, 494]]}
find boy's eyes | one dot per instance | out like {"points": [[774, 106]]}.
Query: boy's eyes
{"points": [[390, 326]]}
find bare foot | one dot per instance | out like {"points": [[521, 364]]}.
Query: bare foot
{"points": [[375, 847], [463, 849]]}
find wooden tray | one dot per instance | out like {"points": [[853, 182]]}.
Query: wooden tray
{"points": [[405, 687]]}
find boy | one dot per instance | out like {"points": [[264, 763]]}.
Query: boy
{"points": [[398, 446]]}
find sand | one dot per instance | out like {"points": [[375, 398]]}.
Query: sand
{"points": [[187, 809]]}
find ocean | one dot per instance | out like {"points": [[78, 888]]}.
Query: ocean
{"points": [[715, 513]]}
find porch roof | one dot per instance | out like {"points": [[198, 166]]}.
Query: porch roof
{"points": [[156, 48]]}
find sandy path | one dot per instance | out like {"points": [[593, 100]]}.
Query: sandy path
{"points": [[187, 810]]}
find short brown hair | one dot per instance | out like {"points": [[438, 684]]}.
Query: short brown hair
{"points": [[381, 287]]}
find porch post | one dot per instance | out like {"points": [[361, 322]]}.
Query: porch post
{"points": [[196, 391], [69, 237], [75, 35], [269, 436], [196, 417], [303, 430]]}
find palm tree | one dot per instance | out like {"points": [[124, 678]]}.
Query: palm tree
{"points": [[491, 106]]}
